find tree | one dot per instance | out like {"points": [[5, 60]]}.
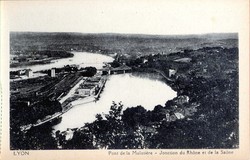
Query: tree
{"points": [[135, 116], [89, 71]]}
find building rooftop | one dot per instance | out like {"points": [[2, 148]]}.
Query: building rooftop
{"points": [[87, 86], [122, 67]]}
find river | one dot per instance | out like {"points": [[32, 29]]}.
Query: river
{"points": [[130, 89], [83, 59]]}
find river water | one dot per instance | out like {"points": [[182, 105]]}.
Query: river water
{"points": [[132, 89], [83, 59]]}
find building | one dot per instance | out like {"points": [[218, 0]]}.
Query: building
{"points": [[13, 61], [52, 72], [145, 60], [182, 99], [168, 117], [184, 60], [106, 70], [98, 81], [122, 69], [191, 110], [21, 72], [87, 90], [28, 73], [179, 115], [171, 72]]}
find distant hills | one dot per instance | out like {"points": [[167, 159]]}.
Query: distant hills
{"points": [[209, 35], [108, 43]]}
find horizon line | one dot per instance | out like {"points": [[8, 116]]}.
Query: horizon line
{"points": [[118, 33]]}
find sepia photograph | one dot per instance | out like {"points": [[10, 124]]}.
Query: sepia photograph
{"points": [[124, 79]]}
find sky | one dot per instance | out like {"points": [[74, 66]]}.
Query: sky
{"points": [[138, 17]]}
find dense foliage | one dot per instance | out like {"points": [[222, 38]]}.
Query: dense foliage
{"points": [[35, 138], [89, 71], [59, 54]]}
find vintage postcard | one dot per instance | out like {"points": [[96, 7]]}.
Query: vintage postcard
{"points": [[125, 79]]}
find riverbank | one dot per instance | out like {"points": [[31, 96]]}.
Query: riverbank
{"points": [[81, 59], [29, 58], [30, 63]]}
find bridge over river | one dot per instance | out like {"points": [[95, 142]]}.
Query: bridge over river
{"points": [[121, 69]]}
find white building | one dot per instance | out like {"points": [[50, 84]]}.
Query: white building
{"points": [[86, 90], [167, 117], [29, 73], [52, 72], [97, 81], [171, 72], [179, 115]]}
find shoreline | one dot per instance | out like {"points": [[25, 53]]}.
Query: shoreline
{"points": [[22, 66]]}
